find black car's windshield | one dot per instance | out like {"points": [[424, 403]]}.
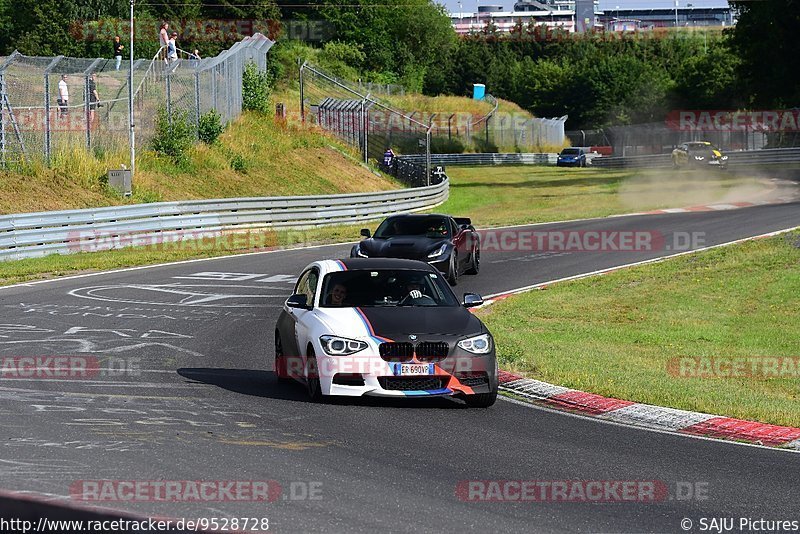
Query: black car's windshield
{"points": [[570, 152], [385, 287], [413, 226]]}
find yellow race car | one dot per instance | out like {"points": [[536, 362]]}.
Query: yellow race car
{"points": [[697, 154]]}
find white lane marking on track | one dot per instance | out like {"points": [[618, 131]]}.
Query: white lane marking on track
{"points": [[186, 295], [634, 264], [643, 428], [308, 247]]}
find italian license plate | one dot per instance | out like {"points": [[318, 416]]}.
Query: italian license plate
{"points": [[413, 369]]}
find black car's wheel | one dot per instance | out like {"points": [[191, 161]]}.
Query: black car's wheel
{"points": [[312, 376], [475, 264], [281, 367], [452, 271], [481, 400]]}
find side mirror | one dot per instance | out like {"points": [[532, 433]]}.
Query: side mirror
{"points": [[365, 232], [298, 301], [472, 299]]}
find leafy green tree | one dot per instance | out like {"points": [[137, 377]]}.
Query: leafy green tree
{"points": [[767, 39]]}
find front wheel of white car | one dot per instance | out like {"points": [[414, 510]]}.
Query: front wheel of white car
{"points": [[312, 376], [481, 400]]}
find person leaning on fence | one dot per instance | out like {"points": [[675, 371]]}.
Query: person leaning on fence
{"points": [[195, 57], [63, 95], [118, 46], [172, 48]]}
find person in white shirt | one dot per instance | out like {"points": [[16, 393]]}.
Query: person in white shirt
{"points": [[172, 48], [63, 95]]}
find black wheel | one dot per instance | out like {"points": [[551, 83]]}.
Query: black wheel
{"points": [[452, 271], [481, 400], [281, 367], [312, 377], [475, 264]]}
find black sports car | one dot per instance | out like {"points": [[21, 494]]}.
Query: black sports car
{"points": [[451, 244]]}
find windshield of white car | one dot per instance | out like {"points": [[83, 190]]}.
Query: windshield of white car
{"points": [[385, 288], [413, 226]]}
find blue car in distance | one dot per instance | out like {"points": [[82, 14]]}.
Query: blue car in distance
{"points": [[571, 157]]}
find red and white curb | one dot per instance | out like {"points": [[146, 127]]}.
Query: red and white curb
{"points": [[648, 415], [638, 414], [722, 206]]}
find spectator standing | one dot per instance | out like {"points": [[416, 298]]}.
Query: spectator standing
{"points": [[388, 157], [195, 57], [163, 39], [172, 48], [94, 98], [118, 46], [63, 95]]}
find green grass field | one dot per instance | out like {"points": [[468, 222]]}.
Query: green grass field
{"points": [[620, 334], [530, 194], [254, 157]]}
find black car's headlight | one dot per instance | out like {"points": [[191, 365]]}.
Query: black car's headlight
{"points": [[438, 252], [481, 344], [360, 252], [341, 346]]}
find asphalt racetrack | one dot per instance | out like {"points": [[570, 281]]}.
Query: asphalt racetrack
{"points": [[203, 404]]}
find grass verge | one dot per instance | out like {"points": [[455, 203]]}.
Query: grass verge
{"points": [[530, 194], [623, 334], [54, 266], [253, 157]]}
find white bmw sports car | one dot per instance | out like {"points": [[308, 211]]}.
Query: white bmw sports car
{"points": [[385, 327]]}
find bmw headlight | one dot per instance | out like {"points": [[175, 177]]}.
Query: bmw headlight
{"points": [[481, 344], [341, 346], [360, 252], [439, 251]]}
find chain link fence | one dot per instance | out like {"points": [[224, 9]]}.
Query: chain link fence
{"points": [[360, 118], [54, 104], [367, 124]]}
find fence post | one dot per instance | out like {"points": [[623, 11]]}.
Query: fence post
{"points": [[2, 119], [428, 154], [46, 118], [302, 95], [197, 100], [214, 86], [168, 89], [86, 99]]}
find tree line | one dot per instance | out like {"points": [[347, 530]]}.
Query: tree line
{"points": [[598, 79]]}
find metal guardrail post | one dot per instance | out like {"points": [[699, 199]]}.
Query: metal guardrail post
{"points": [[302, 95]]}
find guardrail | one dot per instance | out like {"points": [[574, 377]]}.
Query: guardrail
{"points": [[28, 235], [488, 159], [772, 156]]}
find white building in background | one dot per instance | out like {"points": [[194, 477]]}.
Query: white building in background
{"points": [[613, 15]]}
